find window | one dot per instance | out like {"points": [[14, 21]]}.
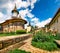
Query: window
{"points": [[15, 24], [10, 24], [6, 26]]}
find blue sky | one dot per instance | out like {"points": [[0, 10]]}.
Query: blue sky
{"points": [[46, 8], [37, 12]]}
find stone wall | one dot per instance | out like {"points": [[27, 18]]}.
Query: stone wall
{"points": [[12, 27], [56, 24], [6, 43]]}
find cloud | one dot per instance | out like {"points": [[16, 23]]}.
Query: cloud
{"points": [[23, 13], [30, 15], [21, 3], [42, 23], [9, 5], [2, 17], [35, 19], [25, 4], [32, 3], [1, 14]]}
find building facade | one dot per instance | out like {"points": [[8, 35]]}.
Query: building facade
{"points": [[28, 29], [13, 24], [54, 25]]}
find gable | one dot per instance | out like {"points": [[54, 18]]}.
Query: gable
{"points": [[55, 18]]}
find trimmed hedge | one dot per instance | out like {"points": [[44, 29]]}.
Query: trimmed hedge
{"points": [[12, 33], [20, 31], [18, 51]]}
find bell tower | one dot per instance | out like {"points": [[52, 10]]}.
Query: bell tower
{"points": [[15, 12]]}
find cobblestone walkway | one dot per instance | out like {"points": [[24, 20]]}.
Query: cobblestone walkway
{"points": [[30, 48]]}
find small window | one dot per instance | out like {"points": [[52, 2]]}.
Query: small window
{"points": [[10, 24]]}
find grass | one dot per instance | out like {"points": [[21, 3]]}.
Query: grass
{"points": [[45, 41], [13, 33], [4, 34], [9, 34], [50, 46], [18, 51]]}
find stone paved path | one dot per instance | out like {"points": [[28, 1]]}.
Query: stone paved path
{"points": [[29, 47], [57, 41]]}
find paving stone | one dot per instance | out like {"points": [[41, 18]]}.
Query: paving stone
{"points": [[30, 48]]}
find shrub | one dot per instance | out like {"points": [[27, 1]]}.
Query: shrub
{"points": [[20, 31], [42, 36], [1, 32], [57, 36], [50, 46], [44, 41], [18, 51], [6, 33], [12, 33]]}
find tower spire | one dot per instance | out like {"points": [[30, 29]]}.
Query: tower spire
{"points": [[15, 11], [15, 8], [29, 24]]}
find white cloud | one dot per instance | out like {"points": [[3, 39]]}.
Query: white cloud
{"points": [[9, 5], [26, 13], [23, 13], [2, 17], [25, 4], [32, 3], [1, 14], [35, 20], [42, 23], [21, 3], [30, 15]]}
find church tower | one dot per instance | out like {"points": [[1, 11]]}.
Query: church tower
{"points": [[15, 12]]}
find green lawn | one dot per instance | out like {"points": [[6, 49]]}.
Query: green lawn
{"points": [[18, 51], [7, 34], [13, 33]]}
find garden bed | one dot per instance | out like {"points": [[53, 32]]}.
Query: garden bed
{"points": [[45, 41]]}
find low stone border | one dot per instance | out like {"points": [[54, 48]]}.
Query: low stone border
{"points": [[57, 42], [12, 47], [6, 43]]}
